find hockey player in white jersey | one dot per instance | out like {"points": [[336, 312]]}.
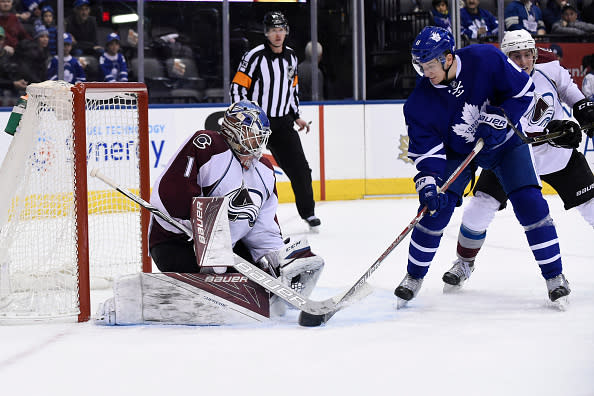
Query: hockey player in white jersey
{"points": [[557, 162], [462, 97]]}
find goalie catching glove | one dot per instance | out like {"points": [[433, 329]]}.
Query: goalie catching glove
{"points": [[583, 111], [296, 265], [571, 134]]}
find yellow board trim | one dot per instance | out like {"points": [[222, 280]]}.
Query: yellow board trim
{"points": [[109, 201], [337, 190]]}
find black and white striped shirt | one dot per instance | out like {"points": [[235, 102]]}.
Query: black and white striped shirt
{"points": [[269, 79]]}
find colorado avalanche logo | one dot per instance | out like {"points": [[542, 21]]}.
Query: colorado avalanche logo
{"points": [[202, 141], [542, 111], [242, 206]]}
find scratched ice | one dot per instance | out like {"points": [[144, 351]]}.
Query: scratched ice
{"points": [[497, 336]]}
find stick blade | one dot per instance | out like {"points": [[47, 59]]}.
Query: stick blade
{"points": [[310, 320]]}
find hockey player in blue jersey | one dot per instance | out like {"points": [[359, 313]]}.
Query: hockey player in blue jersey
{"points": [[465, 95], [557, 162]]}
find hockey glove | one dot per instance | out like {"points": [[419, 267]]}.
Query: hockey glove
{"points": [[298, 267], [571, 133], [428, 195], [583, 111], [492, 127]]}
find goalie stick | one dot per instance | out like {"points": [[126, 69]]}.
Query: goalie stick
{"points": [[310, 320], [254, 273]]}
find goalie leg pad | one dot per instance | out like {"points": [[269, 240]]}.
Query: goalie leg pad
{"points": [[185, 299]]}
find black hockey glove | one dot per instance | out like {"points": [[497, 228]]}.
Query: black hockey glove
{"points": [[583, 111], [571, 133]]}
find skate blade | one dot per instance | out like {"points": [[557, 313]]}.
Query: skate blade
{"points": [[561, 304], [401, 303], [314, 230], [450, 289]]}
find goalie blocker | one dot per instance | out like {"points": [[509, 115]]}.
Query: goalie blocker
{"points": [[214, 296]]}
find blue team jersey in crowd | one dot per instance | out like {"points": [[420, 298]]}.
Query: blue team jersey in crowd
{"points": [[73, 71], [113, 67], [471, 23], [517, 16], [443, 118]]}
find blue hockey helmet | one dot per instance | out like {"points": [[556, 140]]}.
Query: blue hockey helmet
{"points": [[432, 43], [247, 129]]}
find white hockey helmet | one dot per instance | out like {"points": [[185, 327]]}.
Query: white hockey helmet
{"points": [[516, 40]]}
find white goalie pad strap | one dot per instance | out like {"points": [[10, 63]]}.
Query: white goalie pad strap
{"points": [[212, 237]]}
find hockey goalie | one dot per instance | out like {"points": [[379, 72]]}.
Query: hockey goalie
{"points": [[219, 186]]}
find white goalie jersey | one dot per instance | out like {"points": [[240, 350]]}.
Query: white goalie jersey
{"points": [[553, 86], [205, 167]]}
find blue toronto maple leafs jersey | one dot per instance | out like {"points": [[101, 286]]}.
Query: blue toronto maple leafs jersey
{"points": [[444, 118]]}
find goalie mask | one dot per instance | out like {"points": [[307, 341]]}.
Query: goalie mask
{"points": [[247, 129], [432, 43], [518, 40]]}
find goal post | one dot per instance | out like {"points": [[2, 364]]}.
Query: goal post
{"points": [[61, 232]]}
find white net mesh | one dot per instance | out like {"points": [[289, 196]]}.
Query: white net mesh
{"points": [[38, 239]]}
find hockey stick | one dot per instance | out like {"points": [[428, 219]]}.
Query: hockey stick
{"points": [[254, 273], [531, 139], [309, 320]]}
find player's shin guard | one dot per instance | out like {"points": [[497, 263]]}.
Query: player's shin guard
{"points": [[423, 246], [469, 243], [532, 211], [544, 243], [425, 239]]}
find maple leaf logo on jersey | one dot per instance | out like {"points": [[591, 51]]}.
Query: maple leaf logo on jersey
{"points": [[470, 116], [435, 37]]}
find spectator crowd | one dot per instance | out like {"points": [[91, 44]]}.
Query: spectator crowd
{"points": [[29, 43], [29, 47]]}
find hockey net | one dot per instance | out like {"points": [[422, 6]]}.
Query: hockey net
{"points": [[61, 231]]}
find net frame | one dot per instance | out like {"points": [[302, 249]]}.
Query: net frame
{"points": [[80, 114]]}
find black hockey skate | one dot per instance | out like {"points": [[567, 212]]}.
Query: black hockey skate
{"points": [[455, 277], [558, 288], [407, 290], [314, 223]]}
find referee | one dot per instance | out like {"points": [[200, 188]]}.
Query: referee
{"points": [[267, 75]]}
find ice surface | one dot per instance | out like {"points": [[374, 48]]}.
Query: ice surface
{"points": [[498, 336]]}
